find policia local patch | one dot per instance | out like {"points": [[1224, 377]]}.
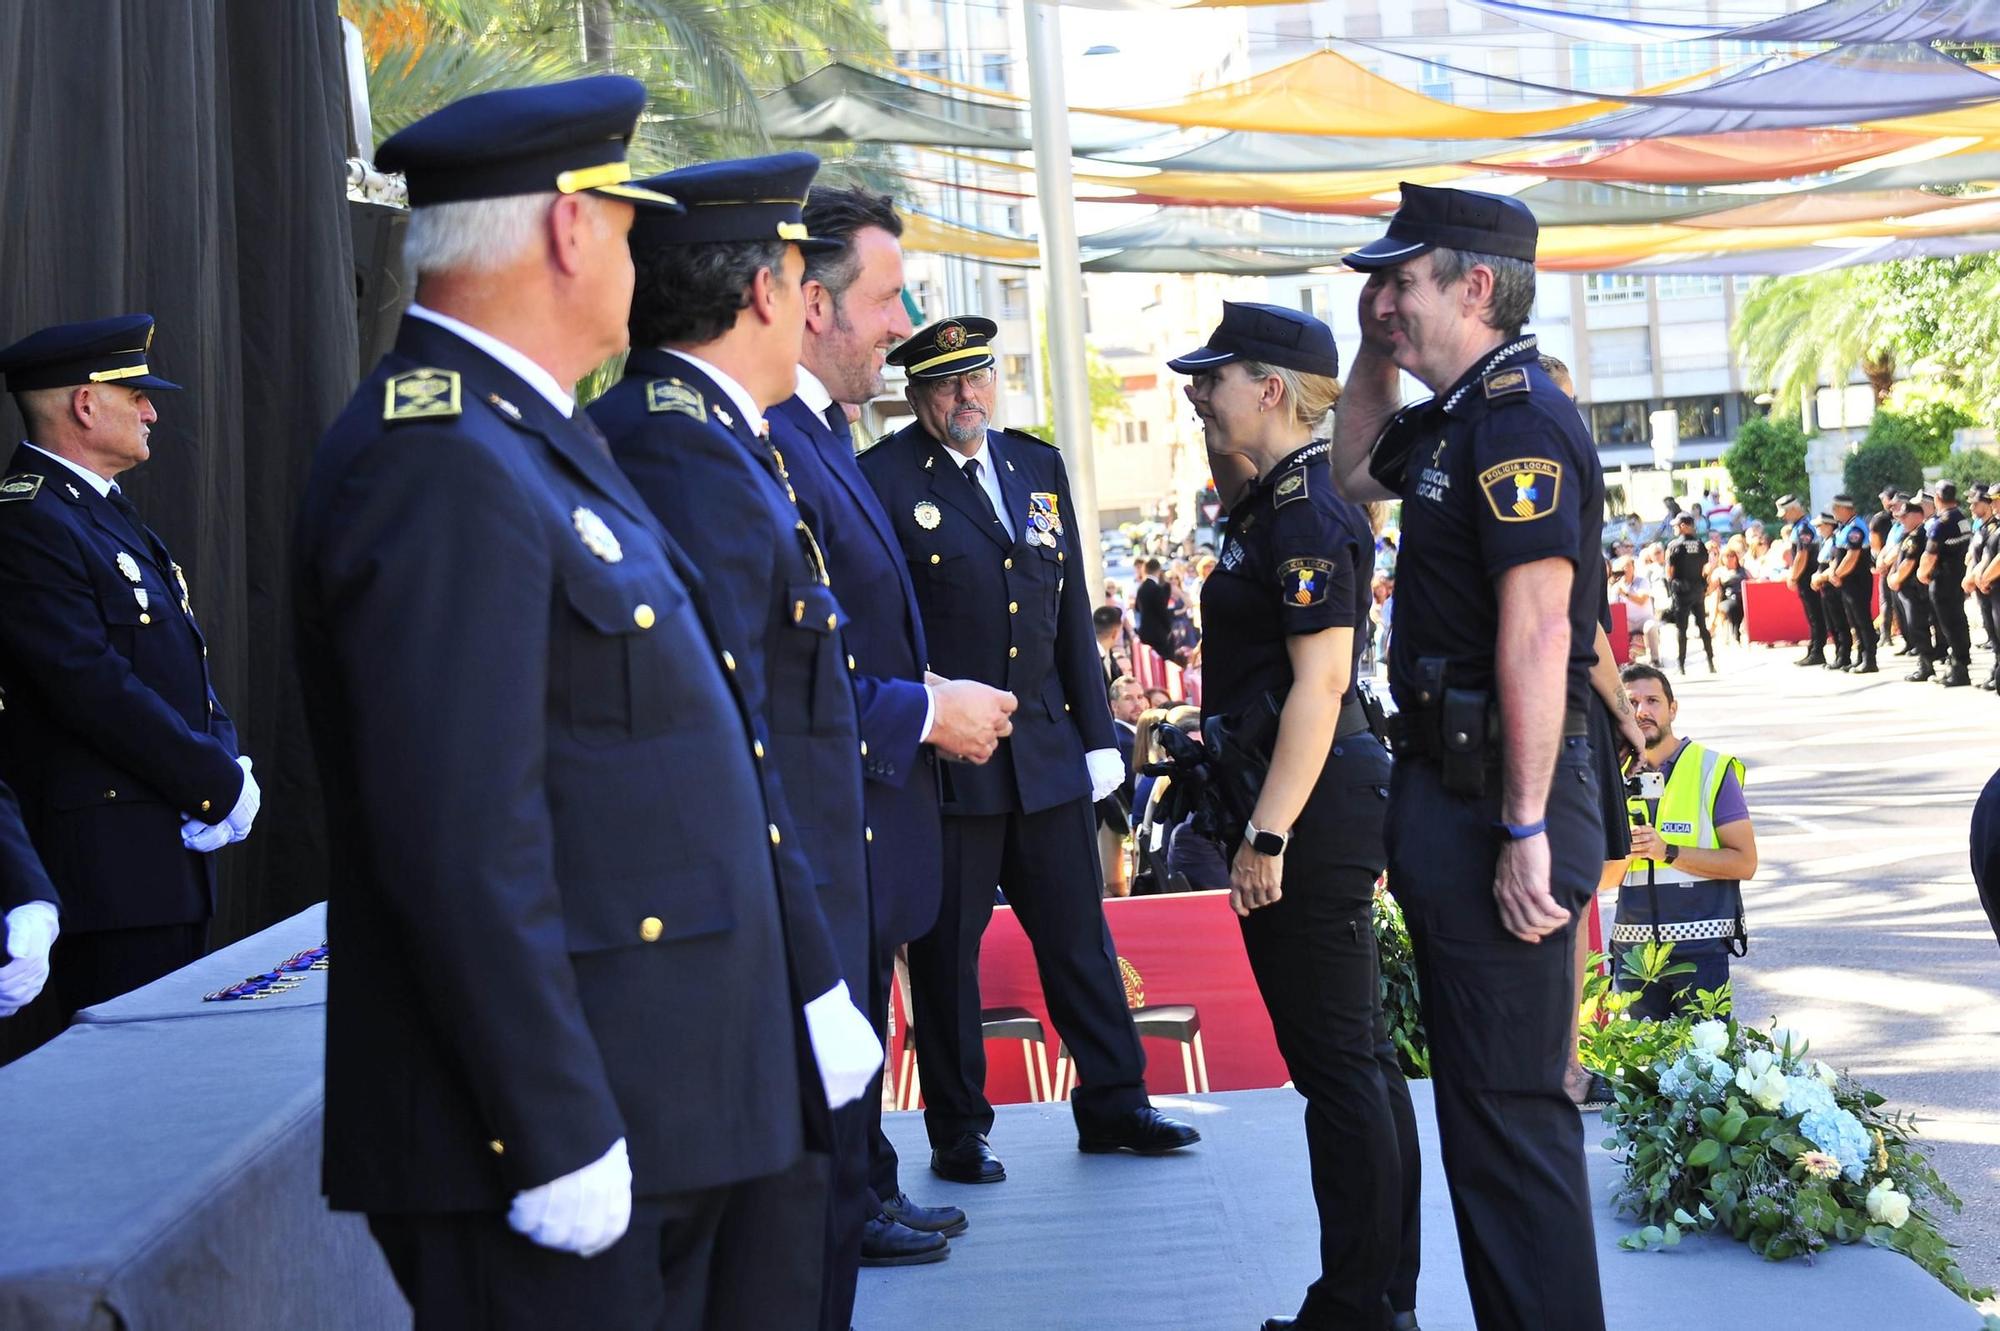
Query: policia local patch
{"points": [[1305, 581], [1523, 489]]}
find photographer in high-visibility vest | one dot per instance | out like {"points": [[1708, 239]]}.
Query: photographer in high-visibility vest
{"points": [[1692, 847]]}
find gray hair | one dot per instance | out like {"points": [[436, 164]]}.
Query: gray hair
{"points": [[474, 235], [1513, 285]]}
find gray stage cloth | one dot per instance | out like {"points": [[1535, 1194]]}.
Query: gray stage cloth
{"points": [[161, 1175], [179, 994], [1220, 1236]]}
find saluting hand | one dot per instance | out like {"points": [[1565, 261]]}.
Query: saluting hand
{"points": [[1254, 879], [1521, 889]]}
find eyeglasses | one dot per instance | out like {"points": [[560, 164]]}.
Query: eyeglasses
{"points": [[979, 378]]}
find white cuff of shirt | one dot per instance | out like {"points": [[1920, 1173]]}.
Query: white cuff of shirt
{"points": [[930, 715]]}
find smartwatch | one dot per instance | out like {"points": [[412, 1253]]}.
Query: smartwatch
{"points": [[1673, 852], [1521, 831], [1266, 843]]}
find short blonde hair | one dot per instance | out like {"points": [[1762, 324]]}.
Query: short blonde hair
{"points": [[1309, 396]]}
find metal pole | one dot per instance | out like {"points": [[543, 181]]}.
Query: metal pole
{"points": [[1062, 268]]}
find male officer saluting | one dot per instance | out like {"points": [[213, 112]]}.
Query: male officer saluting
{"points": [[854, 316], [1494, 833], [1854, 574], [986, 526], [1948, 537], [126, 765], [717, 314], [580, 1002], [1804, 545]]}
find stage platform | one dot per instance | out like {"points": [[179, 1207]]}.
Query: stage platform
{"points": [[1218, 1237]]}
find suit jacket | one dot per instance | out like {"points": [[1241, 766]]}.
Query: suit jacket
{"points": [[553, 882], [885, 635], [714, 486], [1156, 619], [111, 730], [22, 878], [1001, 609]]}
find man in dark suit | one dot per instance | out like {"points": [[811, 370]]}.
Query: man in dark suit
{"points": [[1108, 621], [28, 919], [987, 529], [854, 315], [584, 1008], [1156, 618], [126, 765], [717, 314]]}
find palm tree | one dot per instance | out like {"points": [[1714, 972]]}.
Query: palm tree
{"points": [[1797, 332], [703, 62]]}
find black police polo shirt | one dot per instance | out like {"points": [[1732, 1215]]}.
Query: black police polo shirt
{"points": [[1950, 536], [1296, 559], [1687, 560], [1498, 471]]}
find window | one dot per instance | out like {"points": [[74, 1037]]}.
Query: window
{"points": [[1617, 351], [1612, 288], [1307, 302], [1134, 432], [1601, 67], [1699, 417], [1433, 21], [1013, 298], [1364, 27], [1293, 30], [1013, 219], [1017, 374], [1434, 80], [1618, 423], [922, 62], [1674, 60], [993, 71], [1683, 286]]}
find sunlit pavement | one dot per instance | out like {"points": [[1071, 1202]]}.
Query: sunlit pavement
{"points": [[1865, 929]]}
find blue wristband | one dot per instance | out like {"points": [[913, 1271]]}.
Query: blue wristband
{"points": [[1522, 831]]}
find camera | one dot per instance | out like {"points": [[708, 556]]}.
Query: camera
{"points": [[1646, 785]]}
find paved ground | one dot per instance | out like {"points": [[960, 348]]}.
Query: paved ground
{"points": [[1866, 932]]}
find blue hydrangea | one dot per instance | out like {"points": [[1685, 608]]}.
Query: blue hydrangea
{"points": [[1696, 1076], [1841, 1136], [1804, 1095]]}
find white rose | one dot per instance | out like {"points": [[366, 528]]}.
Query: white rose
{"points": [[1710, 1037], [1755, 1064], [1887, 1206], [1770, 1090], [1827, 1076]]}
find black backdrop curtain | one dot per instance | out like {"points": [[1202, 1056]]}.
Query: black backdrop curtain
{"points": [[186, 158]]}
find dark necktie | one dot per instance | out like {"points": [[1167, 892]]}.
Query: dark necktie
{"points": [[125, 510], [971, 470], [836, 421]]}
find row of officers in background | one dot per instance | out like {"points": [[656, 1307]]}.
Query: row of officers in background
{"points": [[651, 730], [1906, 570]]}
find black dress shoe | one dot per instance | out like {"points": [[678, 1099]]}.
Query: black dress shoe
{"points": [[1142, 1131], [1957, 679], [1867, 668], [1919, 676], [885, 1242], [946, 1220], [1811, 659], [967, 1160]]}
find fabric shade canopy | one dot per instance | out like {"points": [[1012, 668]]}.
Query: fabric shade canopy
{"points": [[1881, 21]]}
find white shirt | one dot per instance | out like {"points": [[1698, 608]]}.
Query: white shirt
{"points": [[530, 373], [987, 480], [812, 392], [737, 394], [97, 483]]}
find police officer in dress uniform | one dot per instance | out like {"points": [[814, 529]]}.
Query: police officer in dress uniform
{"points": [[1687, 580], [986, 526], [717, 314], [1916, 605], [1826, 558], [126, 765], [1493, 833], [585, 1011], [1804, 545], [854, 316], [1854, 575], [1947, 540], [28, 911], [1284, 618]]}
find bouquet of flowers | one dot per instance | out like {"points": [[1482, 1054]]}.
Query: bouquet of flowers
{"points": [[1728, 1128]]}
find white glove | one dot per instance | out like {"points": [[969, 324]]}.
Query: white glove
{"points": [[1107, 772], [844, 1045], [584, 1212], [247, 804], [204, 837], [31, 931]]}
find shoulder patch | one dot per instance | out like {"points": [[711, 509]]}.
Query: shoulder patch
{"points": [[1501, 382], [1305, 581], [673, 395], [1027, 438], [21, 485], [1522, 490], [1291, 486], [421, 395]]}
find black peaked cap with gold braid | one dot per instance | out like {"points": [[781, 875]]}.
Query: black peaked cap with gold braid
{"points": [[947, 347], [100, 351]]}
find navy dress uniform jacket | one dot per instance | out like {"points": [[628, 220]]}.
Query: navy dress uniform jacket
{"points": [[111, 730], [1004, 610], [553, 888], [885, 635], [22, 878], [712, 483]]}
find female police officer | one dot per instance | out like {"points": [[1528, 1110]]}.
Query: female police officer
{"points": [[1283, 619]]}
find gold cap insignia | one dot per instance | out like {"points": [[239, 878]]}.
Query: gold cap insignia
{"points": [[421, 395], [927, 515], [597, 538], [128, 566], [950, 337]]}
